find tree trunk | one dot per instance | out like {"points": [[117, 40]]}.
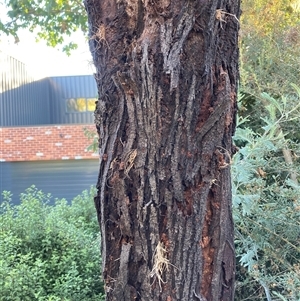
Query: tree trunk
{"points": [[167, 76]]}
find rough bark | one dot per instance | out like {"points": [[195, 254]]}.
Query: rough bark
{"points": [[167, 77]]}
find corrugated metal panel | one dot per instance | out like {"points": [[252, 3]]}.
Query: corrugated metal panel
{"points": [[76, 86], [63, 179], [25, 105], [13, 73], [23, 101], [67, 87]]}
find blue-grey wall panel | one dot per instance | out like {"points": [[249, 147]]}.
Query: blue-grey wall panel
{"points": [[66, 87], [76, 86], [23, 101], [63, 179], [28, 104]]}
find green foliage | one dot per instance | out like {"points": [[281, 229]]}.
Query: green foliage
{"points": [[52, 20], [49, 252], [270, 63], [93, 137], [269, 53], [266, 207], [264, 17]]}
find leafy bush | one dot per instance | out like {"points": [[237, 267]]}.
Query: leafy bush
{"points": [[265, 184], [49, 252], [266, 207], [269, 56], [269, 44]]}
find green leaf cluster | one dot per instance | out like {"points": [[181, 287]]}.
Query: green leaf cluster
{"points": [[49, 252], [269, 54], [266, 205], [266, 200], [51, 20], [93, 138]]}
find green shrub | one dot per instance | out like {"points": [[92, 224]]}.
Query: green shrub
{"points": [[266, 207], [49, 252]]}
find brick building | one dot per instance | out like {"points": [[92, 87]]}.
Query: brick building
{"points": [[44, 120]]}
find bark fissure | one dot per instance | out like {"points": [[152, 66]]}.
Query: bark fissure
{"points": [[167, 79]]}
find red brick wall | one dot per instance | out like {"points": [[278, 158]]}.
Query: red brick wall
{"points": [[51, 142]]}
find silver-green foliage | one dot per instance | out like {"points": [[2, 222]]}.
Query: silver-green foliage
{"points": [[49, 252], [266, 206]]}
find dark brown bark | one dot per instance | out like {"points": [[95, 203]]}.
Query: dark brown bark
{"points": [[167, 76]]}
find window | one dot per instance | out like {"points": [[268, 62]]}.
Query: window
{"points": [[91, 105], [78, 105], [81, 104]]}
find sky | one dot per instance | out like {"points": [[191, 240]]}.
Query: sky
{"points": [[43, 61]]}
